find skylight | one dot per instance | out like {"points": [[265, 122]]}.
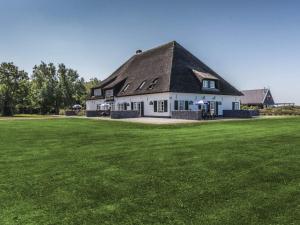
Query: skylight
{"points": [[126, 87], [142, 85], [154, 82]]}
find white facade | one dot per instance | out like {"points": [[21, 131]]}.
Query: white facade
{"points": [[225, 102]]}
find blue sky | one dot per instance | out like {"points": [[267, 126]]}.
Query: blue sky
{"points": [[252, 44]]}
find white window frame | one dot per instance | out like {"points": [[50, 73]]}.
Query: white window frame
{"points": [[126, 87], [160, 106], [236, 106], [97, 92], [109, 93], [181, 105], [142, 85], [121, 106], [205, 83], [136, 106], [209, 84]]}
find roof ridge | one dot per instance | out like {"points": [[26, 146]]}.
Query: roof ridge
{"points": [[157, 47], [172, 63], [258, 89]]}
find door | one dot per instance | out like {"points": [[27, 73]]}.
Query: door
{"points": [[139, 106], [212, 108], [220, 109], [142, 109]]}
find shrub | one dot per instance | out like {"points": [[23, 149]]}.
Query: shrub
{"points": [[278, 111]]}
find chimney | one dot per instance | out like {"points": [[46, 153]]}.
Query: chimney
{"points": [[139, 51]]}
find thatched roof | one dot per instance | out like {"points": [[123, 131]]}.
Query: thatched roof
{"points": [[171, 67], [256, 97]]}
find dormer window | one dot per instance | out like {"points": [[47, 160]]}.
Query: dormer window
{"points": [[126, 87], [153, 84], [97, 92], [206, 84], [209, 84]]}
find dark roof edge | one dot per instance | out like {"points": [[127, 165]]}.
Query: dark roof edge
{"points": [[114, 73], [160, 46], [215, 73], [178, 92]]}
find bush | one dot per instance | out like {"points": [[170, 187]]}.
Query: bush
{"points": [[62, 112], [281, 111], [245, 107]]}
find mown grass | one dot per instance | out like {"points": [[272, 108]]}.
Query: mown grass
{"points": [[78, 171]]}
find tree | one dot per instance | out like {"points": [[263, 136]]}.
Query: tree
{"points": [[45, 90], [13, 85], [53, 89], [89, 85], [71, 86]]}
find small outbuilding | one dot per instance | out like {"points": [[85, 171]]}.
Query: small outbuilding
{"points": [[262, 98]]}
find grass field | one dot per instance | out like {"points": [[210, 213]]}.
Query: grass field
{"points": [[78, 171]]}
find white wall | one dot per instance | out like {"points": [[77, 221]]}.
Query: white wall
{"points": [[148, 109], [225, 99], [171, 97], [91, 105]]}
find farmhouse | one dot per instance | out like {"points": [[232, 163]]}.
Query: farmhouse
{"points": [[163, 81], [262, 98]]}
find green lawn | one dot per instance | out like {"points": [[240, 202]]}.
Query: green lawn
{"points": [[79, 171]]}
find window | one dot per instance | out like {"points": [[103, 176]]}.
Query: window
{"points": [[153, 84], [126, 87], [109, 93], [235, 106], [160, 106], [205, 84], [135, 106], [112, 106], [209, 84], [122, 106], [141, 85], [97, 92], [181, 105]]}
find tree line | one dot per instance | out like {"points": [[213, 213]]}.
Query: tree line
{"points": [[48, 89]]}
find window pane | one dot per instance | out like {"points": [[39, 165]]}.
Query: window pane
{"points": [[181, 105]]}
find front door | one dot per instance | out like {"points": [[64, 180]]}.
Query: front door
{"points": [[212, 108], [220, 109]]}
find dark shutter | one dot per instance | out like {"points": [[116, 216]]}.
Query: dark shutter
{"points": [[142, 108], [125, 106], [176, 105], [155, 106], [233, 106], [186, 103], [131, 105], [165, 105]]}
